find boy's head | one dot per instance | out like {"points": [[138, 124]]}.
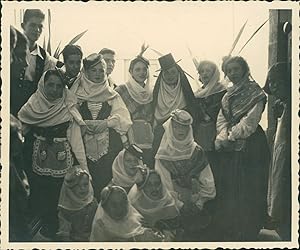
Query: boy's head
{"points": [[72, 55], [32, 25], [109, 58]]}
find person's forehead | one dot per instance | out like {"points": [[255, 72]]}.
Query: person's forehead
{"points": [[129, 156], [54, 79], [74, 57], [35, 20], [108, 56]]}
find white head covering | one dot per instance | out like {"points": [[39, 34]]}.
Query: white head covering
{"points": [[142, 95], [68, 199], [168, 99], [125, 228], [120, 177], [87, 90], [213, 86], [154, 210], [172, 149], [41, 112]]}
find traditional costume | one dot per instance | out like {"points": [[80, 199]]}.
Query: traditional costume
{"points": [[243, 162], [76, 213], [57, 145], [101, 105], [162, 214], [138, 101], [166, 98], [186, 173]]}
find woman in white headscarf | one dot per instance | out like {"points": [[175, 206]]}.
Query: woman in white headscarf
{"points": [[107, 119], [117, 220], [155, 203], [208, 99], [137, 95], [184, 169], [50, 115]]}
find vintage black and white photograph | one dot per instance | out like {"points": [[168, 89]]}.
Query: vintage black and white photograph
{"points": [[153, 124]]}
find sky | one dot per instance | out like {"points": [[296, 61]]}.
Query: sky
{"points": [[208, 29]]}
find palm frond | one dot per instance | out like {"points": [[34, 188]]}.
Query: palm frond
{"points": [[156, 51], [255, 32], [143, 49], [76, 38], [49, 29], [237, 38], [196, 63], [57, 51]]}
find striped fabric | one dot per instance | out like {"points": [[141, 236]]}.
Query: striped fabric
{"points": [[94, 108]]}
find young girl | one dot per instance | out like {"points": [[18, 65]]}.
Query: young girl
{"points": [[126, 167], [159, 209], [77, 206]]}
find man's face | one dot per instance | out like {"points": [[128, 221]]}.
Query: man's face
{"points": [[110, 62], [73, 65], [33, 28]]}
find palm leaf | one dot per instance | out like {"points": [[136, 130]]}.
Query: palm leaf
{"points": [[196, 63], [57, 51], [157, 52], [237, 38], [255, 32], [76, 38], [44, 43], [49, 29]]}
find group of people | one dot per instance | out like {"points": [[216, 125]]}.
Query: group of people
{"points": [[100, 161]]}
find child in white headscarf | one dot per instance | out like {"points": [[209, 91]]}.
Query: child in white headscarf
{"points": [[77, 206], [126, 168]]}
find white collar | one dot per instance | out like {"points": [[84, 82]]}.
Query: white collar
{"points": [[37, 52]]}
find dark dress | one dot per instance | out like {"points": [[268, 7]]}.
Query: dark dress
{"points": [[242, 196], [205, 131], [101, 169], [51, 159]]}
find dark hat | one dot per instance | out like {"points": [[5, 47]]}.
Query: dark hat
{"points": [[167, 61], [182, 117], [136, 151], [92, 60]]}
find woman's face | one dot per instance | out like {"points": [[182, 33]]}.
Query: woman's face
{"points": [[97, 73], [171, 75], [180, 131], [153, 187], [117, 205], [53, 88], [130, 163], [205, 73], [235, 72], [139, 72], [81, 190]]}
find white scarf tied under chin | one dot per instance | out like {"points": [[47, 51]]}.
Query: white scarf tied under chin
{"points": [[171, 149], [214, 86], [120, 177], [87, 90], [142, 95], [154, 210]]}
